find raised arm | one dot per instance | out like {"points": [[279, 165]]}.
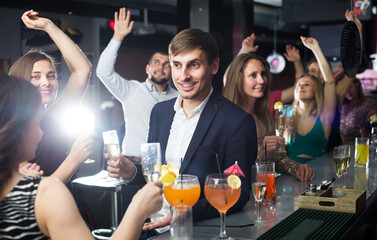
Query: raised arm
{"points": [[116, 84], [77, 62], [123, 26], [246, 47], [292, 54], [328, 112]]}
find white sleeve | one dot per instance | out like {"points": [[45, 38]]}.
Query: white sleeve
{"points": [[117, 85]]}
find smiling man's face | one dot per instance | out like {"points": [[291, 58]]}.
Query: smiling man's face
{"points": [[192, 74]]}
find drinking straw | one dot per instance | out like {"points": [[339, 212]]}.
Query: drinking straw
{"points": [[181, 181], [265, 163], [265, 153], [221, 175]]}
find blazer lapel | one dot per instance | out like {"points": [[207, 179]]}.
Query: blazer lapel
{"points": [[165, 130], [209, 112]]}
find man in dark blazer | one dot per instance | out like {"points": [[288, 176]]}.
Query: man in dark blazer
{"points": [[201, 125]]}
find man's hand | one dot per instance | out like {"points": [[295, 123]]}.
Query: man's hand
{"points": [[248, 45], [292, 54], [122, 26], [163, 222], [304, 172], [124, 168]]}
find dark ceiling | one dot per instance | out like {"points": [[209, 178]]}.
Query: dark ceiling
{"points": [[159, 11]]}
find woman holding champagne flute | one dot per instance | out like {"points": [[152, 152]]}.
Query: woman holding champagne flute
{"points": [[248, 86], [49, 210]]}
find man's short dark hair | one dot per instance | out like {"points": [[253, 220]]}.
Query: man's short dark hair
{"points": [[192, 38]]}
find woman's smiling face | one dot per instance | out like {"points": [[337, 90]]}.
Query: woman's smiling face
{"points": [[254, 79]]}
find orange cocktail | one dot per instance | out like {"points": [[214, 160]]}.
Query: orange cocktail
{"points": [[187, 194], [222, 192], [221, 198], [184, 191]]}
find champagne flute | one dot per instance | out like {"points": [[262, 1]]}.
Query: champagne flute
{"points": [[347, 152], [280, 124], [222, 197], [259, 186], [340, 160], [151, 161], [111, 142]]}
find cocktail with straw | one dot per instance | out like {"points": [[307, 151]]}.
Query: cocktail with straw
{"points": [[184, 191], [222, 191]]}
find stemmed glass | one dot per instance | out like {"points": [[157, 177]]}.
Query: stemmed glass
{"points": [[259, 186], [280, 124], [340, 161], [111, 142], [151, 161], [185, 191], [347, 152], [222, 197]]}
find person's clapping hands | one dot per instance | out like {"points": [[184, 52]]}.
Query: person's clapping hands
{"points": [[124, 168]]}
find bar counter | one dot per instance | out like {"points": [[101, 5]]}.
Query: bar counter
{"points": [[239, 225]]}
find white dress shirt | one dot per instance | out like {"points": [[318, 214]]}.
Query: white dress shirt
{"points": [[137, 99], [181, 131]]}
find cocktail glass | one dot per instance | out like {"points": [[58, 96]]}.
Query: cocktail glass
{"points": [[151, 161], [340, 161], [222, 197], [185, 191], [259, 187]]}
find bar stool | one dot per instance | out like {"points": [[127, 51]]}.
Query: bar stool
{"points": [[101, 182]]}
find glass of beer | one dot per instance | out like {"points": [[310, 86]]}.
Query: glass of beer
{"points": [[221, 196]]}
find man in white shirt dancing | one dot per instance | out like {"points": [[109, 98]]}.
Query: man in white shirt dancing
{"points": [[137, 98]]}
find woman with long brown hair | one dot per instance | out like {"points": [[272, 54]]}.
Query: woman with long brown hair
{"points": [[248, 85], [38, 68]]}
